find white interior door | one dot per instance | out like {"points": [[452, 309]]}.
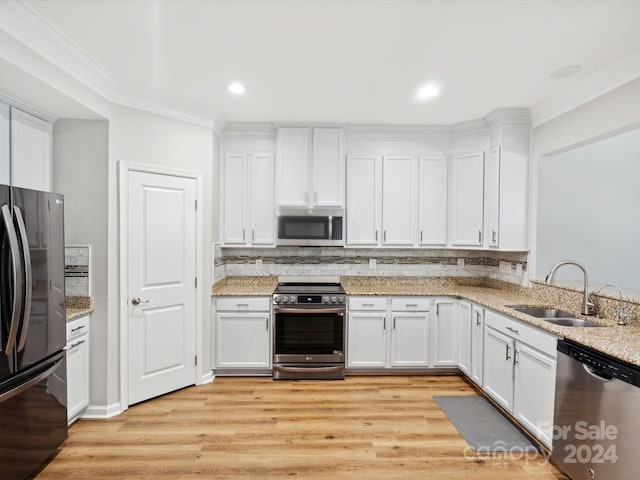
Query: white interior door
{"points": [[161, 280]]}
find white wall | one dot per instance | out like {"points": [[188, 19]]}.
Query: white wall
{"points": [[615, 112], [80, 173], [140, 137]]}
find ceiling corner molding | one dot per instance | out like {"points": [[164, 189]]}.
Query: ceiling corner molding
{"points": [[397, 132], [249, 130], [469, 128], [618, 73], [508, 116], [26, 26]]}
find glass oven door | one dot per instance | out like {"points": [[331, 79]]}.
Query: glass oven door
{"points": [[309, 335]]}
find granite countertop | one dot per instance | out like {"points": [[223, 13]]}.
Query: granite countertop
{"points": [[78, 306], [621, 342]]}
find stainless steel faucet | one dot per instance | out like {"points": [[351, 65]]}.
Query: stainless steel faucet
{"points": [[587, 304], [622, 315]]}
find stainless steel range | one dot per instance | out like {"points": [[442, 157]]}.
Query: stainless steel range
{"points": [[309, 331]]}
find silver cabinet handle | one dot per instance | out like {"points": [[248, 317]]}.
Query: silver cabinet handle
{"points": [[411, 304], [478, 319], [138, 301], [267, 323], [384, 235], [508, 356], [394, 323], [253, 235], [515, 357], [493, 236], [376, 235], [384, 324], [243, 234], [73, 345], [513, 330], [77, 328], [479, 236], [420, 236], [26, 256]]}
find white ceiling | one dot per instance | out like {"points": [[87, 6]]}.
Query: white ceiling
{"points": [[349, 61]]}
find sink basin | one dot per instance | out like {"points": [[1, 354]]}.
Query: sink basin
{"points": [[572, 322], [544, 312], [555, 316]]}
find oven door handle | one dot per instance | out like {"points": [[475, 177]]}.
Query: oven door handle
{"points": [[339, 311], [282, 368]]}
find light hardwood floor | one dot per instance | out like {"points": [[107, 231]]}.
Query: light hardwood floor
{"points": [[365, 428]]}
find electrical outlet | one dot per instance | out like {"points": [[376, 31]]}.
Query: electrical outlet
{"points": [[461, 263], [372, 264], [258, 264]]}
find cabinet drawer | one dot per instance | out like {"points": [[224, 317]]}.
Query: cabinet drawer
{"points": [[243, 304], [410, 304], [77, 327], [530, 335], [368, 303]]}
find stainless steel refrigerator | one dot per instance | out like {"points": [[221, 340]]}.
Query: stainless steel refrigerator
{"points": [[33, 412]]}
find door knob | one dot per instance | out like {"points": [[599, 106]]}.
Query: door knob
{"points": [[137, 301]]}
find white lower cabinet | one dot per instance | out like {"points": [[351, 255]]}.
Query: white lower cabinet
{"points": [[388, 333], [77, 357], [445, 332], [464, 337], [242, 333], [477, 345], [520, 372]]}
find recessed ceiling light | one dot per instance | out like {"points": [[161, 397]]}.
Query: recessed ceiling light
{"points": [[237, 88], [427, 92], [564, 72]]}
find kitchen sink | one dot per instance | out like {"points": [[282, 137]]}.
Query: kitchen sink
{"points": [[555, 316], [544, 312], [572, 322]]}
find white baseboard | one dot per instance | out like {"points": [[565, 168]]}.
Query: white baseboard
{"points": [[207, 377], [102, 411]]}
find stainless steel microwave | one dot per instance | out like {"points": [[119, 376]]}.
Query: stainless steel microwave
{"points": [[317, 228]]}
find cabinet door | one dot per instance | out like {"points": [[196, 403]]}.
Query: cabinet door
{"points": [[362, 201], [534, 391], [30, 151], [262, 212], [445, 333], [242, 340], [477, 344], [5, 145], [464, 337], [492, 196], [367, 338], [410, 339], [397, 201], [293, 167], [432, 201], [468, 197], [77, 376], [498, 367], [327, 167], [234, 177]]}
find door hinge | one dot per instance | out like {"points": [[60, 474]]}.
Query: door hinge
{"points": [[195, 359]]}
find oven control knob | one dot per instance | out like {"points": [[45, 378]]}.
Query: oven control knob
{"points": [[334, 299], [325, 299], [277, 299], [340, 299]]}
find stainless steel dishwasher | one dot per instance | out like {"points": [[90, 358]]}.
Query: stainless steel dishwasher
{"points": [[597, 415]]}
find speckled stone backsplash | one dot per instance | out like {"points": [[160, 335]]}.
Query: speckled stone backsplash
{"points": [[570, 299], [76, 271], [310, 261]]}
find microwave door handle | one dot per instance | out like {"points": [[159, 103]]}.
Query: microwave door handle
{"points": [[330, 228], [26, 256], [16, 272]]}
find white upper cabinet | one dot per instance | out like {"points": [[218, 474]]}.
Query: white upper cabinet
{"points": [[508, 189], [248, 216], [5, 145], [397, 201], [30, 151], [432, 201], [310, 167], [362, 201], [468, 199]]}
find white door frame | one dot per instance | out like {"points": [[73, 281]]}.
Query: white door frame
{"points": [[124, 168]]}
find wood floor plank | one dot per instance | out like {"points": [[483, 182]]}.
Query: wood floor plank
{"points": [[366, 427]]}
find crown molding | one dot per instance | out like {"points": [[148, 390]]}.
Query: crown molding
{"points": [[249, 130], [594, 85], [508, 116], [398, 132], [25, 25]]}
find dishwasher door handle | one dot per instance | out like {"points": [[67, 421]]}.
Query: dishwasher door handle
{"points": [[603, 377]]}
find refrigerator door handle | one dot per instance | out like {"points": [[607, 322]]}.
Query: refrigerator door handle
{"points": [[17, 279], [28, 279], [33, 381]]}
